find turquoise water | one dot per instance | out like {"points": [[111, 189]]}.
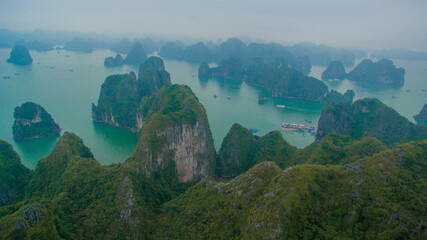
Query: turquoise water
{"points": [[66, 84]]}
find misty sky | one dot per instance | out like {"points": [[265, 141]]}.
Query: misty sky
{"points": [[372, 24]]}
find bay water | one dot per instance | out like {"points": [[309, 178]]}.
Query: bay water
{"points": [[66, 83]]}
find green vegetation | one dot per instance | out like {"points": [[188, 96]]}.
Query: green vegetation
{"points": [[335, 70], [335, 188], [13, 175], [421, 117], [383, 72], [375, 198], [20, 56], [371, 118], [237, 152], [277, 78], [121, 95], [114, 61], [33, 121]]}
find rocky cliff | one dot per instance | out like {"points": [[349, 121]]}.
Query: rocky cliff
{"points": [[20, 56], [335, 70], [382, 72], [237, 152], [421, 117], [33, 121], [373, 198], [13, 175], [121, 95], [114, 61], [371, 118], [175, 134], [277, 78], [136, 55]]}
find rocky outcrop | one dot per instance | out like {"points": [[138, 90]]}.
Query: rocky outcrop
{"points": [[33, 121], [20, 56], [121, 95], [114, 61], [277, 78], [335, 70], [237, 152], [230, 68], [32, 214], [175, 136], [383, 72], [13, 175], [371, 118], [136, 55], [421, 117], [335, 97]]}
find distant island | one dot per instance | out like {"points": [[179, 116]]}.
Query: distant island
{"points": [[421, 117], [382, 72], [277, 78], [33, 121], [79, 45], [368, 118], [20, 56], [335, 70], [135, 56], [114, 61]]}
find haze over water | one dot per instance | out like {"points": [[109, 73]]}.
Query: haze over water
{"points": [[66, 83]]}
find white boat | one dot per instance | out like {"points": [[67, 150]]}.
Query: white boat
{"points": [[281, 106]]}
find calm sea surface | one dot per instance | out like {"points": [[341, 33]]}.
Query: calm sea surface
{"points": [[66, 83]]}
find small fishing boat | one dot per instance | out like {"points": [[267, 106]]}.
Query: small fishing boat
{"points": [[281, 106], [253, 130], [308, 120], [214, 96], [228, 97]]}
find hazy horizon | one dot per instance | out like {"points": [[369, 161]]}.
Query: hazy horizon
{"points": [[363, 24]]}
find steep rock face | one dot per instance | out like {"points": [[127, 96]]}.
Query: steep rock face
{"points": [[175, 134], [383, 72], [373, 197], [121, 95], [275, 76], [237, 152], [422, 116], [114, 61], [136, 55], [241, 150], [335, 97], [370, 118], [335, 70], [20, 56], [33, 121], [13, 175]]}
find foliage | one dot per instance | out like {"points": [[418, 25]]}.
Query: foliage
{"points": [[369, 117], [20, 56], [33, 121], [13, 175]]}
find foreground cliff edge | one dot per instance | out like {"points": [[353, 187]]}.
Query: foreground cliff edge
{"points": [[169, 189]]}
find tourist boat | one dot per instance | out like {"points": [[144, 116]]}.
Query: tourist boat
{"points": [[294, 127], [228, 97], [281, 106]]}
